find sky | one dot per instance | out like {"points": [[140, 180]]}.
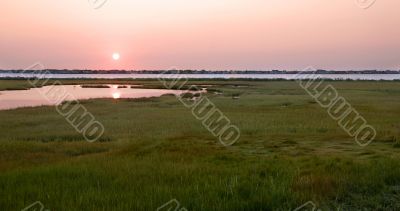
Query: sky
{"points": [[206, 34]]}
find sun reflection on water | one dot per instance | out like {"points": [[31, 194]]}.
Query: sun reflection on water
{"points": [[116, 95]]}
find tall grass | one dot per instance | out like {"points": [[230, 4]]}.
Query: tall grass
{"points": [[154, 150]]}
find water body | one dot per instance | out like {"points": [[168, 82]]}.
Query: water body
{"points": [[212, 76], [47, 95]]}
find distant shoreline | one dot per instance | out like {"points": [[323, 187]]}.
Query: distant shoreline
{"points": [[239, 72]]}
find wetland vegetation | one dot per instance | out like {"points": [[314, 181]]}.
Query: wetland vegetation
{"points": [[153, 150]]}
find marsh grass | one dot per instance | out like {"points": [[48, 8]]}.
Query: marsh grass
{"points": [[154, 150]]}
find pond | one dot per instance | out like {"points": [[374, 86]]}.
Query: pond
{"points": [[48, 95]]}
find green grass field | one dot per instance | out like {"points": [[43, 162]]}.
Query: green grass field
{"points": [[153, 150]]}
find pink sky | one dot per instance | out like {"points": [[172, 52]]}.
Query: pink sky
{"points": [[206, 34]]}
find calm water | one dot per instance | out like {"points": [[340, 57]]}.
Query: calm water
{"points": [[211, 76], [46, 95]]}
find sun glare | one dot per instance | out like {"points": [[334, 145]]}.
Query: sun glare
{"points": [[116, 95], [116, 56]]}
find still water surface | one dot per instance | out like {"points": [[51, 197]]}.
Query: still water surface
{"points": [[44, 95]]}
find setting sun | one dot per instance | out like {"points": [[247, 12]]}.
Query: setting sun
{"points": [[116, 56]]}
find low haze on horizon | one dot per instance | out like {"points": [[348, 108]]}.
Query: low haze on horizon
{"points": [[208, 34]]}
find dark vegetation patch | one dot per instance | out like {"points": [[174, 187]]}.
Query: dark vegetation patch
{"points": [[100, 86]]}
